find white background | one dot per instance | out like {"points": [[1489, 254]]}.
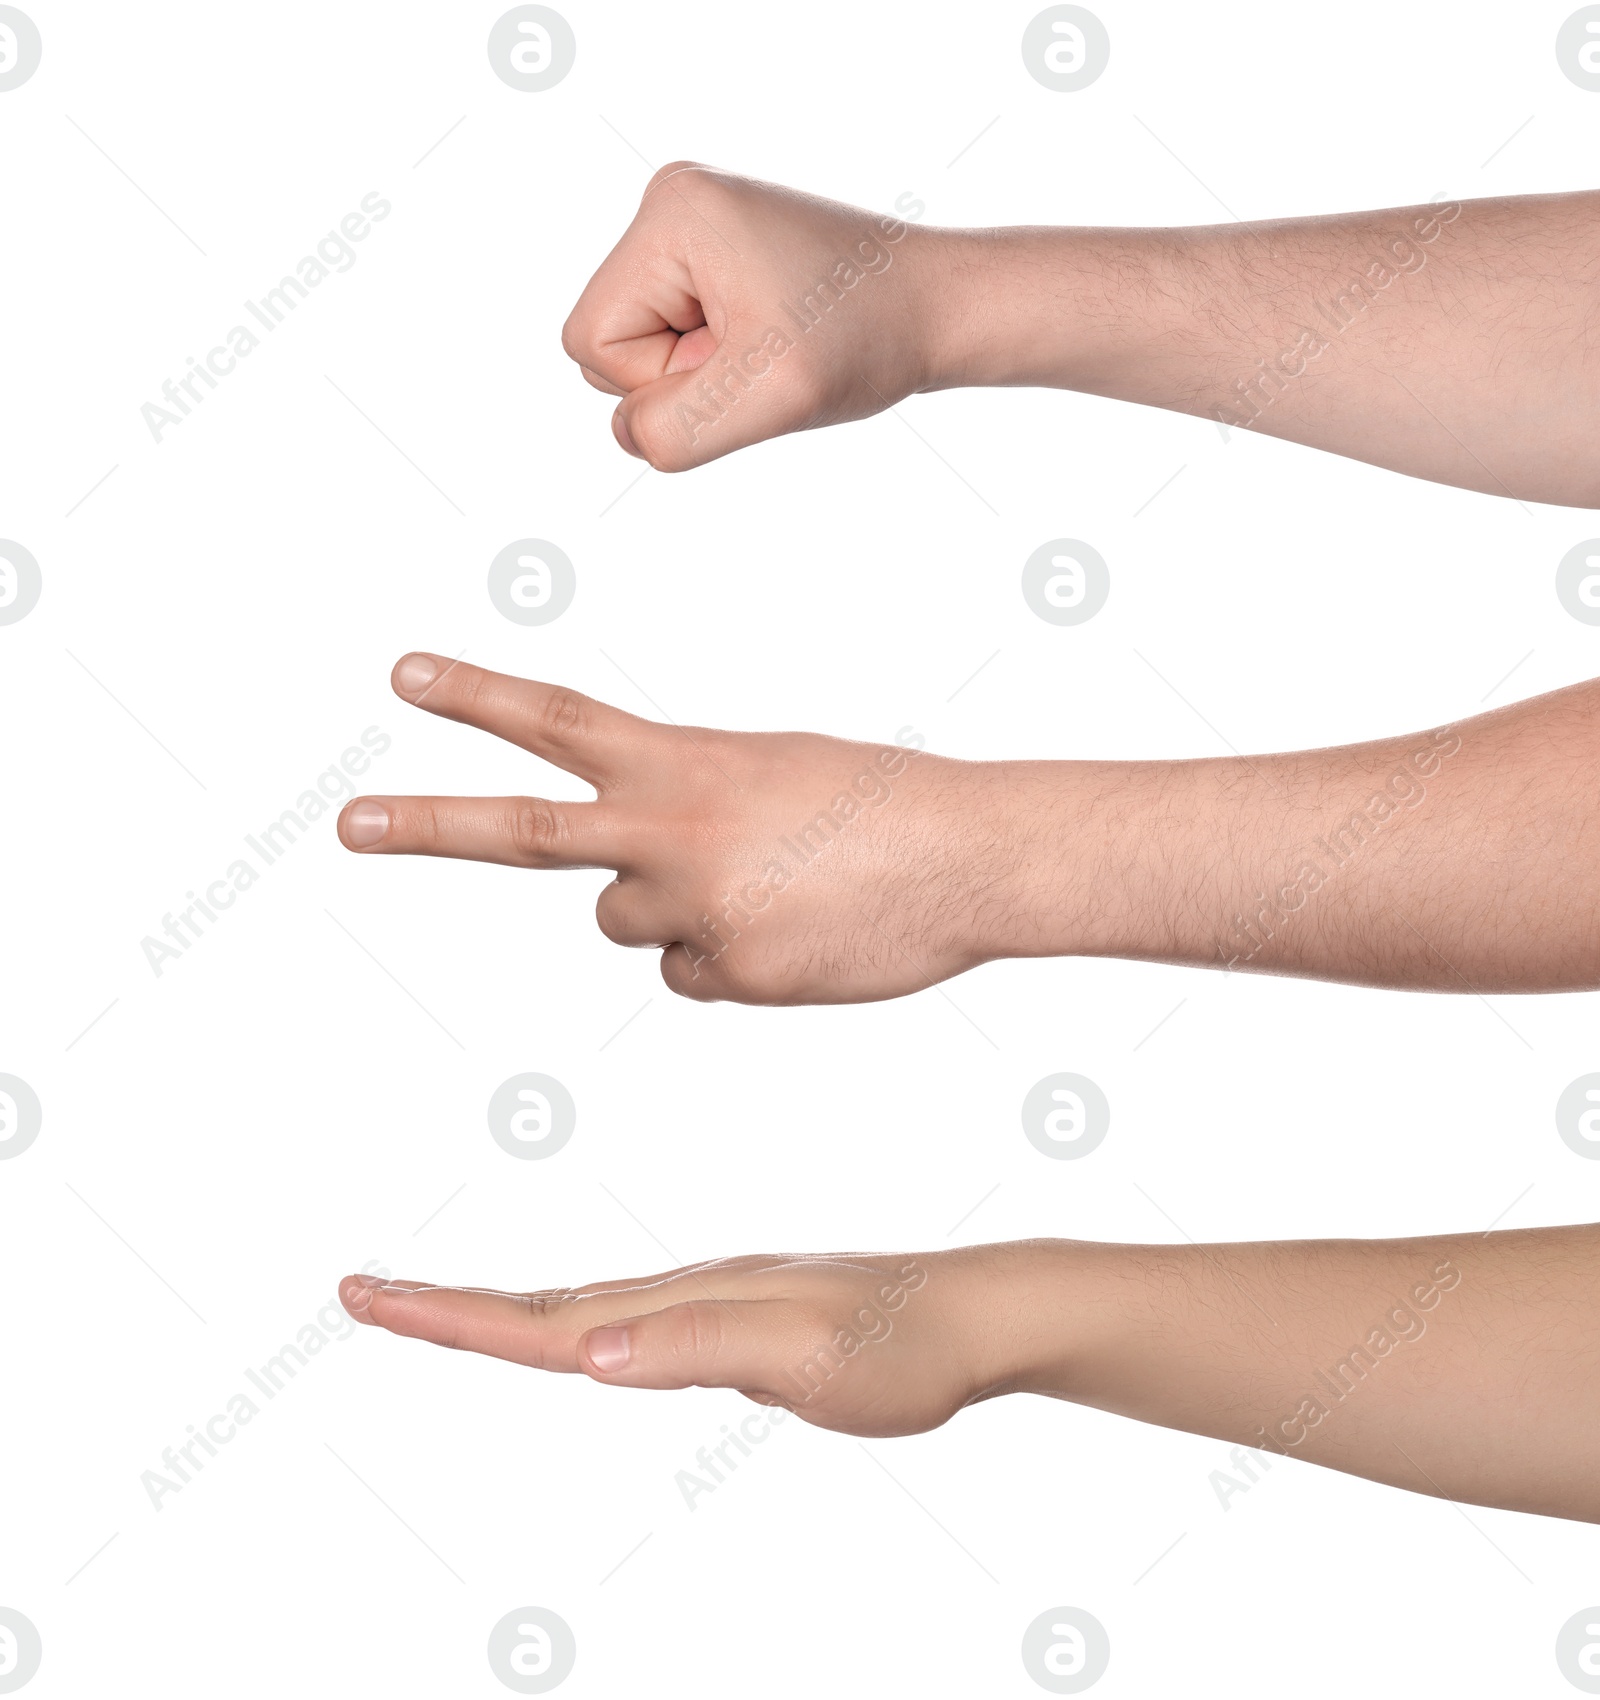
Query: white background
{"points": [[275, 1110]]}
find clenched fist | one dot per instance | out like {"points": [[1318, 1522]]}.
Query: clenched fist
{"points": [[732, 311]]}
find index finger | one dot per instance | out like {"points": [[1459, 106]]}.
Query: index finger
{"points": [[591, 739]]}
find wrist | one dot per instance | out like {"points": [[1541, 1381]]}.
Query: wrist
{"points": [[995, 869], [937, 306], [1048, 1316], [1068, 848], [1143, 860], [1080, 309]]}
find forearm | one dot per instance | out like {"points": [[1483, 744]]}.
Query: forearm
{"points": [[1457, 342], [1463, 1366], [1464, 859]]}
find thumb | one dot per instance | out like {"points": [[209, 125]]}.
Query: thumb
{"points": [[733, 395], [702, 1343]]}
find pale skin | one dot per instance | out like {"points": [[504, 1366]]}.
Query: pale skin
{"points": [[1448, 342], [1462, 1366], [1455, 341], [788, 868]]}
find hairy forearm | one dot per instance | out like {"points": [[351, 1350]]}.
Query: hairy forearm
{"points": [[1462, 859], [1462, 1365], [1457, 341]]}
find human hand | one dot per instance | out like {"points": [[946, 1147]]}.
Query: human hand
{"points": [[734, 310], [1486, 1343], [770, 868], [866, 1345]]}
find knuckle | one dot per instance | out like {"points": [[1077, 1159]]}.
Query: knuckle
{"points": [[464, 687], [550, 1300], [564, 714], [671, 168], [535, 829], [573, 341], [696, 1332], [422, 825], [660, 440], [645, 430]]}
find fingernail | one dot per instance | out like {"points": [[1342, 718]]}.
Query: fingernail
{"points": [[608, 1348], [415, 674], [365, 824], [619, 430], [358, 1300]]}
